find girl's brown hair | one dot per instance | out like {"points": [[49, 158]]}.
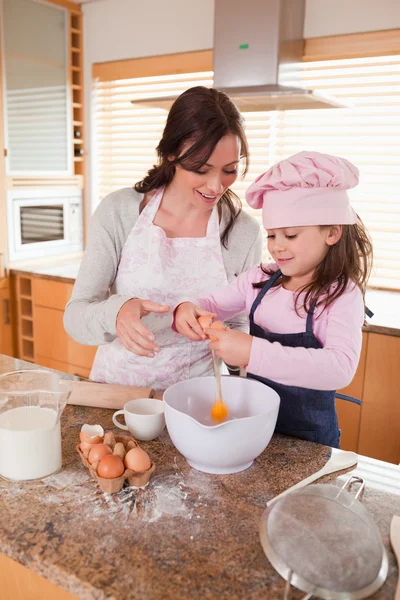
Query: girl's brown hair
{"points": [[201, 117], [349, 260]]}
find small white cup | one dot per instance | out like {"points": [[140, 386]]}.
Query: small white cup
{"points": [[144, 418]]}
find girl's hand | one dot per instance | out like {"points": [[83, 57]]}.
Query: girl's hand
{"points": [[186, 322], [232, 346], [131, 331]]}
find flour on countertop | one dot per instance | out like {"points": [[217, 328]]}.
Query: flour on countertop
{"points": [[170, 495], [167, 496], [67, 478]]}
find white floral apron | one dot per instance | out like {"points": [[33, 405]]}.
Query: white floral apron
{"points": [[162, 269]]}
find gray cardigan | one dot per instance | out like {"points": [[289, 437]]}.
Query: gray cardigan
{"points": [[90, 315]]}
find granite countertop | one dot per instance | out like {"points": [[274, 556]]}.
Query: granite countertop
{"points": [[187, 535], [64, 270]]}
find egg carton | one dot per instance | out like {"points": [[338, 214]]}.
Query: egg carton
{"points": [[111, 486]]}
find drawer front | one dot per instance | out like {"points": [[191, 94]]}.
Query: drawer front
{"points": [[57, 365], [53, 294]]}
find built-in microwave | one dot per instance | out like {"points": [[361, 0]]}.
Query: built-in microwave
{"points": [[44, 222]]}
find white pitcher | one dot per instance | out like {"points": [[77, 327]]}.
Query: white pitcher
{"points": [[31, 404]]}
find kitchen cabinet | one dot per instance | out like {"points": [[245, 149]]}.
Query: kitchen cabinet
{"points": [[349, 414], [43, 86], [41, 334], [380, 415], [42, 134], [6, 339], [374, 428], [20, 583]]}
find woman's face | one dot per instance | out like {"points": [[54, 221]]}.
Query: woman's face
{"points": [[204, 188]]}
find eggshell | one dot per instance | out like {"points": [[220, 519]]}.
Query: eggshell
{"points": [[98, 451], [110, 467], [216, 325], [137, 460], [85, 448], [205, 321], [91, 434]]}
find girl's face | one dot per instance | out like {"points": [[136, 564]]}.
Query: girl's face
{"points": [[204, 188], [299, 250]]}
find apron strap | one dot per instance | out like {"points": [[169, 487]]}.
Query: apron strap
{"points": [[348, 398], [267, 286], [369, 312]]}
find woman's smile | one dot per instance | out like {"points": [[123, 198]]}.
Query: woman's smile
{"points": [[208, 198]]}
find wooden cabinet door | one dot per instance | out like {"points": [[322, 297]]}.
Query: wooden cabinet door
{"points": [[349, 414], [51, 341], [6, 339], [380, 416], [20, 583], [50, 338]]}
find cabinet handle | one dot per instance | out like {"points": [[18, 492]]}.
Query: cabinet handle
{"points": [[6, 311]]}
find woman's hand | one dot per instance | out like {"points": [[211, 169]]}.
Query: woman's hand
{"points": [[131, 331], [232, 346], [186, 322]]}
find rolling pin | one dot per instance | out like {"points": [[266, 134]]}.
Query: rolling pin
{"points": [[105, 395]]}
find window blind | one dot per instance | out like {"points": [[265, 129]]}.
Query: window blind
{"points": [[37, 130], [367, 132]]}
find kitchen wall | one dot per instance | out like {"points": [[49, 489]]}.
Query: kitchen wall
{"points": [[122, 29], [325, 17], [118, 29]]}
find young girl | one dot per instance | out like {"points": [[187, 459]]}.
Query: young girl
{"points": [[306, 309]]}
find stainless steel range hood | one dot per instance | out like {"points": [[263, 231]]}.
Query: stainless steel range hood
{"points": [[258, 47]]}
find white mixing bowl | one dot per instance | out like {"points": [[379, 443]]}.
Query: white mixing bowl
{"points": [[230, 446]]}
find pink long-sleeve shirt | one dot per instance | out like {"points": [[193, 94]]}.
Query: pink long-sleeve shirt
{"points": [[338, 328]]}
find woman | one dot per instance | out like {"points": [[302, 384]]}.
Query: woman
{"points": [[181, 229]]}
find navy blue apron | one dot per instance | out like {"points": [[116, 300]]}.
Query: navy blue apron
{"points": [[303, 413]]}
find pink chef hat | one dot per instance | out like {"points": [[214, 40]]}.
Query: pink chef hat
{"points": [[308, 188]]}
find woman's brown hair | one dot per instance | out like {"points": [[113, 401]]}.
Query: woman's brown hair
{"points": [[349, 260], [201, 117]]}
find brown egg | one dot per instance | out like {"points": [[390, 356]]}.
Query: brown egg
{"points": [[98, 451], [110, 467], [216, 325], [137, 460], [205, 321]]}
